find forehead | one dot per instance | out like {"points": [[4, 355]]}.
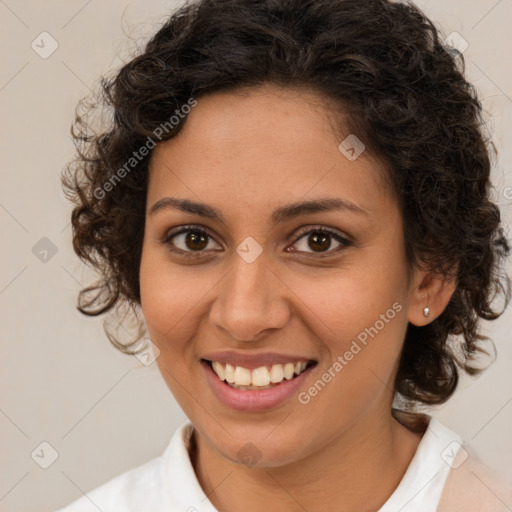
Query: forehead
{"points": [[261, 147]]}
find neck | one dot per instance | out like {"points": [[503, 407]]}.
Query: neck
{"points": [[359, 469]]}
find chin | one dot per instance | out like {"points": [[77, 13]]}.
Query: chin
{"points": [[258, 446]]}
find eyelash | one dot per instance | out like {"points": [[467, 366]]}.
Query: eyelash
{"points": [[345, 242]]}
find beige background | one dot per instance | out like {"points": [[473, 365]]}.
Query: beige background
{"points": [[61, 381]]}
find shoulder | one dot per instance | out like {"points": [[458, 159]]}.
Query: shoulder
{"points": [[137, 489], [142, 489], [473, 486], [445, 475]]}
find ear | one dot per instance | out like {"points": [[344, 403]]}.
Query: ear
{"points": [[432, 291]]}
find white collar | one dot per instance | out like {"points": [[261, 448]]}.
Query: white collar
{"points": [[182, 491]]}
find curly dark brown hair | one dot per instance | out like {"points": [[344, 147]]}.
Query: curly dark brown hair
{"points": [[405, 95]]}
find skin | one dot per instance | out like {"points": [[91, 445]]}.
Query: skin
{"points": [[247, 153]]}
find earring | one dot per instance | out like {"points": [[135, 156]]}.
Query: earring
{"points": [[426, 312]]}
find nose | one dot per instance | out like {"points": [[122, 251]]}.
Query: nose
{"points": [[251, 301]]}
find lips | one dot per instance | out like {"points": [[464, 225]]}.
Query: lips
{"points": [[251, 369]]}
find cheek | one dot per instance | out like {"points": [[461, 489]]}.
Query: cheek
{"points": [[167, 299], [359, 319], [346, 304]]}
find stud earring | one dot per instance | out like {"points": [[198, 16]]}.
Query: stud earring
{"points": [[426, 312]]}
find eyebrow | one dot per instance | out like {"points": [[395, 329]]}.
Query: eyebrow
{"points": [[281, 214]]}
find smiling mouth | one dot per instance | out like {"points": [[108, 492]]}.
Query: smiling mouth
{"points": [[264, 377]]}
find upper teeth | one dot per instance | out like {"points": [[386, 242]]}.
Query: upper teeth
{"points": [[261, 376]]}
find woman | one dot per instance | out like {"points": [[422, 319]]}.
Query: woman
{"points": [[295, 196]]}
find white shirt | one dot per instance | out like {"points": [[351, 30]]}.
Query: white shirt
{"points": [[168, 483]]}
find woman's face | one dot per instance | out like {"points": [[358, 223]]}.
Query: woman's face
{"points": [[261, 288]]}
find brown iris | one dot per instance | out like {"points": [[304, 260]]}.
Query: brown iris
{"points": [[195, 240], [319, 242]]}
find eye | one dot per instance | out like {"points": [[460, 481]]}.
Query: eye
{"points": [[319, 239], [188, 240], [191, 241]]}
